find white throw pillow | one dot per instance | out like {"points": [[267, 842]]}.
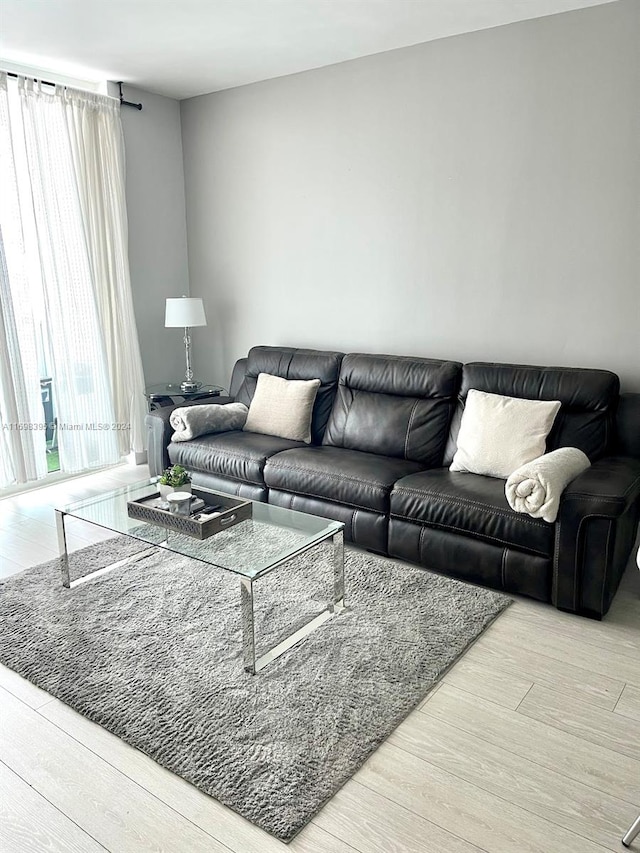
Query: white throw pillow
{"points": [[499, 434], [282, 407]]}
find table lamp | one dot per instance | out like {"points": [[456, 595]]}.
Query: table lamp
{"points": [[185, 312]]}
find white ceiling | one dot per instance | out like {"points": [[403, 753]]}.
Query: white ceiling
{"points": [[183, 48]]}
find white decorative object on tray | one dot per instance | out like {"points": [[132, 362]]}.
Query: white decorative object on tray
{"points": [[180, 503]]}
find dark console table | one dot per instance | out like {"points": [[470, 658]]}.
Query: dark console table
{"points": [[170, 393]]}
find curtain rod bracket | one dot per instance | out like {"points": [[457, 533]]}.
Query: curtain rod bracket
{"points": [[124, 103]]}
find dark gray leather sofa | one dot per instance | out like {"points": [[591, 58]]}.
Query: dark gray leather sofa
{"points": [[384, 431]]}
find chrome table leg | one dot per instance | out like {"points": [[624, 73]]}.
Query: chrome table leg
{"points": [[248, 626], [64, 557], [631, 833], [253, 663], [339, 603], [62, 547]]}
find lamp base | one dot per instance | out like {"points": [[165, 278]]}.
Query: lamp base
{"points": [[190, 387]]}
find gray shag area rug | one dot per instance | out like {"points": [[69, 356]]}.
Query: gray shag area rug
{"points": [[152, 652]]}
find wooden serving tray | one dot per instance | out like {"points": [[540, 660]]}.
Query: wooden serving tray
{"points": [[232, 511]]}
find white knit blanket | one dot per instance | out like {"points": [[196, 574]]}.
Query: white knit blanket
{"points": [[192, 421], [536, 488]]}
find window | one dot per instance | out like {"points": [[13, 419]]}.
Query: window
{"points": [[67, 328]]}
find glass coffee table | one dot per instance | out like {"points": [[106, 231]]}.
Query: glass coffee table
{"points": [[250, 550]]}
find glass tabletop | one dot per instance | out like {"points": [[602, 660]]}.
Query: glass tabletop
{"points": [[250, 549], [168, 389]]}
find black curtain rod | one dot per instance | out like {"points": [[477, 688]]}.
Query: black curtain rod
{"points": [[123, 103], [44, 82]]}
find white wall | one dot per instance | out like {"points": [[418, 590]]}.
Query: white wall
{"points": [[157, 227], [470, 198]]}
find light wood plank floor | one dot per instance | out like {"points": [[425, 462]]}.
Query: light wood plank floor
{"points": [[529, 744]]}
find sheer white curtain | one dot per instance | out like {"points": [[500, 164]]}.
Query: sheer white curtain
{"points": [[22, 428], [22, 450], [65, 148], [97, 146]]}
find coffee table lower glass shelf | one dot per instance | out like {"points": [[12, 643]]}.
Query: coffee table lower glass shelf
{"points": [[251, 550]]}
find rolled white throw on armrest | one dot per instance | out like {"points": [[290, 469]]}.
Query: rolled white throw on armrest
{"points": [[191, 421], [536, 488]]}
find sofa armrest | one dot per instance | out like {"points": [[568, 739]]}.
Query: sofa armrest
{"points": [[627, 419], [160, 431], [606, 488], [237, 377], [595, 532]]}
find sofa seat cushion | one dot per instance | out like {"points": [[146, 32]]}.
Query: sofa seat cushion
{"points": [[351, 477], [238, 455], [469, 504]]}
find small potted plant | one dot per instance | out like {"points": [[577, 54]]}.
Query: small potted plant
{"points": [[174, 479]]}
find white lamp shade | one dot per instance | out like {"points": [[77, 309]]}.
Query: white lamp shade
{"points": [[185, 311]]}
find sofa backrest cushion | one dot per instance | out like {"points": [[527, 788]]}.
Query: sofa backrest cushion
{"points": [[588, 397], [292, 363], [394, 406]]}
